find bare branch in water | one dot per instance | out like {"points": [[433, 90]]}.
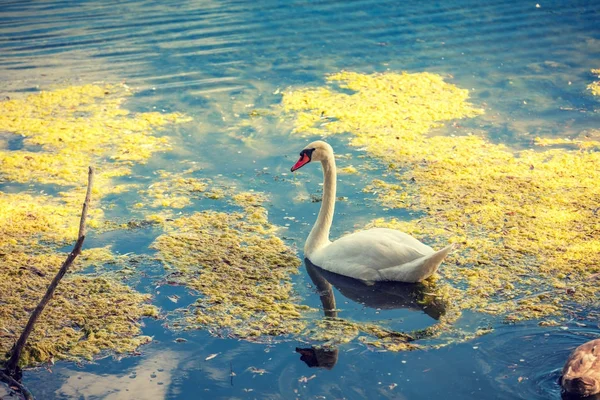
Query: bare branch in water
{"points": [[12, 367], [14, 383]]}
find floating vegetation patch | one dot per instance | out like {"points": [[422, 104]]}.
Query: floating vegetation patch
{"points": [[87, 314], [594, 87], [181, 189], [585, 144], [386, 108], [174, 190], [336, 331], [240, 268], [332, 332], [528, 220], [51, 138], [66, 130]]}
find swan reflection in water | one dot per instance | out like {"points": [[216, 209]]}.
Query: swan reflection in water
{"points": [[380, 295]]}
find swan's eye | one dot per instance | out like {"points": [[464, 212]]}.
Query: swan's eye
{"points": [[308, 152]]}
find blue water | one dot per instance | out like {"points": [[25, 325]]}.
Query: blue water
{"points": [[217, 60]]}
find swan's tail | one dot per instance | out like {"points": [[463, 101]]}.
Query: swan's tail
{"points": [[419, 269]]}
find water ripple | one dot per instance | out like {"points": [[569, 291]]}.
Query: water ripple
{"points": [[118, 37], [526, 361]]}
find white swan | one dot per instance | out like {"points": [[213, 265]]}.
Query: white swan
{"points": [[376, 254]]}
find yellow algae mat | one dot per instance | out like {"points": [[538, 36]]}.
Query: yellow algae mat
{"points": [[50, 138], [594, 87], [240, 269], [234, 260], [528, 221]]}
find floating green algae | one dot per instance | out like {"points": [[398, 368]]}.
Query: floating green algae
{"points": [[527, 219], [240, 269], [583, 144], [594, 87], [332, 332], [86, 315], [242, 272], [66, 130], [174, 190], [182, 189], [390, 107], [335, 331], [63, 132]]}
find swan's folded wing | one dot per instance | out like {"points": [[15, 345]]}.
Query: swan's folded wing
{"points": [[375, 249], [416, 270]]}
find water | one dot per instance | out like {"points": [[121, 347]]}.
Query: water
{"points": [[216, 60]]}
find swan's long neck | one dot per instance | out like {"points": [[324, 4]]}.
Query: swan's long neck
{"points": [[319, 235]]}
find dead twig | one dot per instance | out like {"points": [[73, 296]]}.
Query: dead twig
{"points": [[12, 367], [14, 383]]}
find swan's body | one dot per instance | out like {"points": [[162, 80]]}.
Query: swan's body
{"points": [[581, 373], [376, 254]]}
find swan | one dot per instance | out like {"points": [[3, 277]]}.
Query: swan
{"points": [[581, 373], [376, 254]]}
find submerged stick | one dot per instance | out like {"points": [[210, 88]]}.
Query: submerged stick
{"points": [[12, 364], [14, 383]]}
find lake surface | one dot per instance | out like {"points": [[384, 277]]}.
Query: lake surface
{"points": [[528, 63]]}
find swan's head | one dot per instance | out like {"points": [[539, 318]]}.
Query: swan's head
{"points": [[315, 151]]}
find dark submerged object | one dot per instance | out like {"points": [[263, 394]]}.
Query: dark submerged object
{"points": [[581, 373], [316, 357]]}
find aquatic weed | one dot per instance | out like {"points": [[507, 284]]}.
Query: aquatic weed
{"points": [[527, 219]]}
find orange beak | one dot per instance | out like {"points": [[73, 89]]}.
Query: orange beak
{"points": [[304, 159]]}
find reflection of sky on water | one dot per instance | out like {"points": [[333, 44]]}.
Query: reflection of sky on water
{"points": [[150, 380], [216, 61], [510, 363]]}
